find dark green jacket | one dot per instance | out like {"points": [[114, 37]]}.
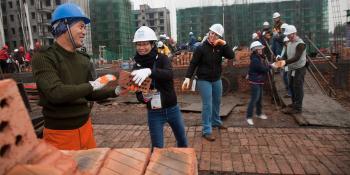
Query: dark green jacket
{"points": [[62, 80]]}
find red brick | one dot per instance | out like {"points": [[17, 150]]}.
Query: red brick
{"points": [[215, 161], [330, 165], [173, 161], [226, 162], [307, 165], [237, 162], [89, 161], [127, 161], [345, 167], [34, 170], [248, 163], [205, 161], [259, 163], [14, 115], [283, 164], [295, 165], [271, 164]]}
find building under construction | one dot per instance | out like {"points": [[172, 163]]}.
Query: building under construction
{"points": [[241, 20], [112, 28]]}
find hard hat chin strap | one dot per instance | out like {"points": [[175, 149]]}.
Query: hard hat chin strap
{"points": [[70, 34]]}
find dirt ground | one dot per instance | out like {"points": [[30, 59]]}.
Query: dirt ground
{"points": [[120, 112], [127, 111]]}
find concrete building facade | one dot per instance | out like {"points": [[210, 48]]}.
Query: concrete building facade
{"points": [[157, 19]]}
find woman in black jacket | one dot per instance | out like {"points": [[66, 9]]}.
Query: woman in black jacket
{"points": [[161, 101], [207, 59]]}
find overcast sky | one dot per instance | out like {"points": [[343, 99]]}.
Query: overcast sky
{"points": [[172, 5]]}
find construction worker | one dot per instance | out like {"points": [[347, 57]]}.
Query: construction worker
{"points": [[3, 58], [296, 62], [161, 102], [163, 49], [284, 72], [258, 70], [266, 26], [64, 79], [255, 37], [206, 65], [191, 41], [277, 39]]}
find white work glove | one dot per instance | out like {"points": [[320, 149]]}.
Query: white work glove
{"points": [[117, 90], [185, 84], [273, 65], [102, 81], [140, 75], [278, 57], [234, 48]]}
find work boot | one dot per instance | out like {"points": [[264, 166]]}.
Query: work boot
{"points": [[209, 137], [291, 111]]}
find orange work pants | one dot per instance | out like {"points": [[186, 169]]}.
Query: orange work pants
{"points": [[75, 139]]}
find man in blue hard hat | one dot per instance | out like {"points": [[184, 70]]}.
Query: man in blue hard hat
{"points": [[65, 82]]}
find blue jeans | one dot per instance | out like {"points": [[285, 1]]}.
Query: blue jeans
{"points": [[255, 100], [211, 93], [156, 120]]}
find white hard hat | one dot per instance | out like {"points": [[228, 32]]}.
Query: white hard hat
{"points": [[191, 33], [144, 33], [255, 45], [290, 29], [160, 44], [254, 35], [16, 50], [266, 23], [162, 36], [284, 25], [276, 15], [285, 39], [218, 29]]}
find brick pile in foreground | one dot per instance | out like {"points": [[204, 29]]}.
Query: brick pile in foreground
{"points": [[22, 153]]}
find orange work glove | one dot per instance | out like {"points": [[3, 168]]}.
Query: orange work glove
{"points": [[102, 81]]}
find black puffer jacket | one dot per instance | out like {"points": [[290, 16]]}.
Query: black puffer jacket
{"points": [[208, 59], [162, 76]]}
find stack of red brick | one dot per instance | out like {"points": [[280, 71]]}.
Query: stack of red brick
{"points": [[182, 60], [21, 153], [242, 58]]}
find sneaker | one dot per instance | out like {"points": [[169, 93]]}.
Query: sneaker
{"points": [[209, 137], [262, 116], [250, 121]]}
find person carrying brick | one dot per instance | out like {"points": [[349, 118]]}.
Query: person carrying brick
{"points": [[161, 101], [65, 82], [207, 60], [295, 59]]}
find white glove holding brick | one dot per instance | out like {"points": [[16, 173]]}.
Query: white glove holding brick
{"points": [[141, 75]]}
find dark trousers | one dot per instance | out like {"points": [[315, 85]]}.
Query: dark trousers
{"points": [[296, 86], [3, 65]]}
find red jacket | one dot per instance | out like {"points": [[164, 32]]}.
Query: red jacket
{"points": [[3, 54]]}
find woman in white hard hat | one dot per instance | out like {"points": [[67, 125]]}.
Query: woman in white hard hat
{"points": [[257, 74], [161, 102], [207, 59]]}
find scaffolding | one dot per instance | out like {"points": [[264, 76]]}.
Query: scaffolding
{"points": [[243, 18], [112, 27]]}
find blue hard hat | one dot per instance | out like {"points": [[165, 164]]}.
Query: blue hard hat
{"points": [[69, 10]]}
